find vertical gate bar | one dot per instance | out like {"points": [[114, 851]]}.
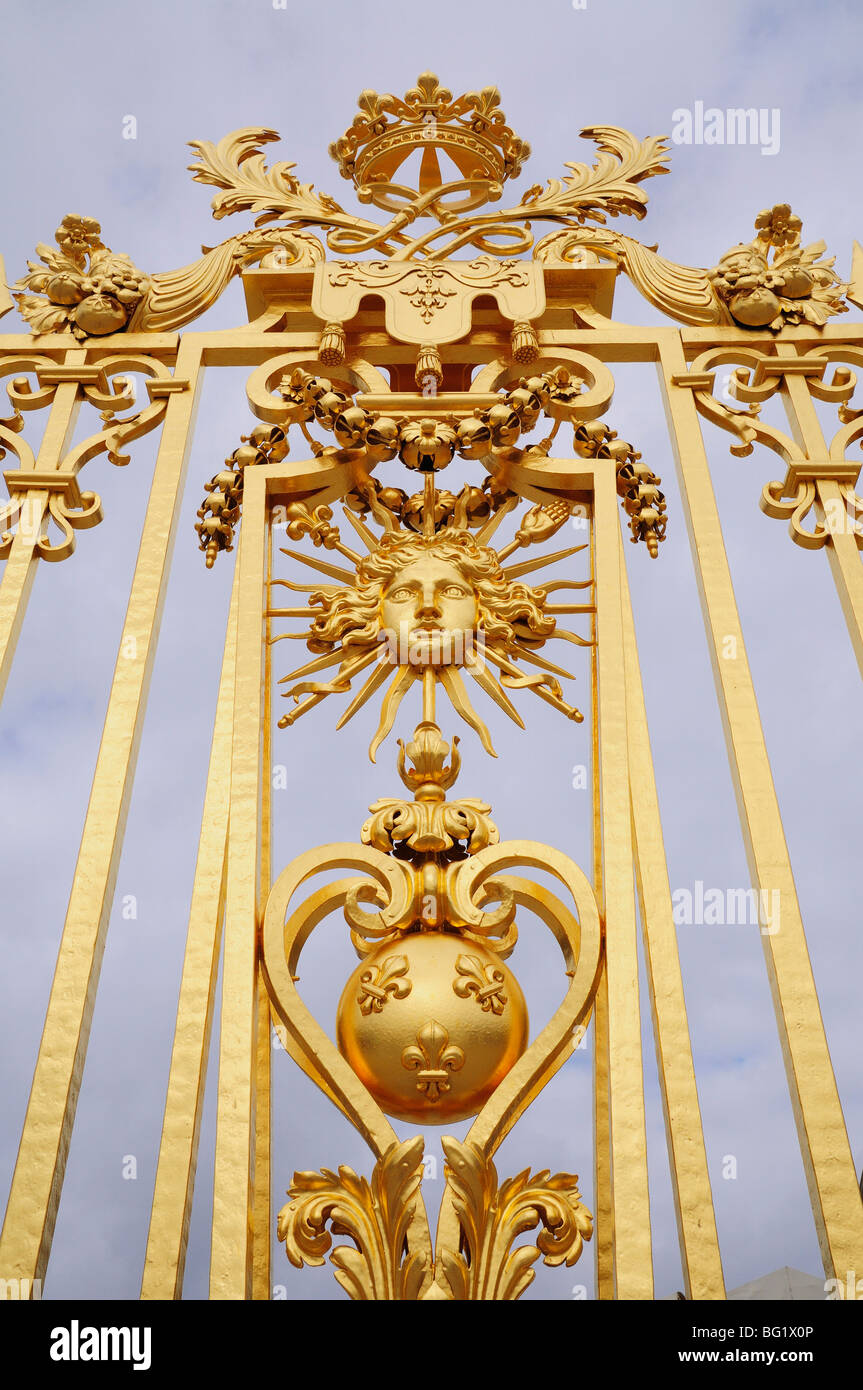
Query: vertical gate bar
{"points": [[690, 1180], [231, 1256], [602, 1176], [633, 1261], [37, 1182], [165, 1259], [846, 564], [261, 1233], [17, 578], [842, 549], [19, 572], [827, 1157]]}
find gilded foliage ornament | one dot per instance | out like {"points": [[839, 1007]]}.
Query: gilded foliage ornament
{"points": [[391, 1256], [746, 288], [85, 288], [376, 1216], [492, 1216]]}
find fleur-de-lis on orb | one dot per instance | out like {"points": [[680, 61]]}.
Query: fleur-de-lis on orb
{"points": [[483, 981], [379, 981], [433, 1059]]}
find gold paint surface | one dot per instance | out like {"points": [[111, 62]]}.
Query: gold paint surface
{"points": [[633, 1266], [447, 1073], [432, 1023], [233, 1188], [178, 1151], [827, 1158], [37, 1182], [693, 1199]]}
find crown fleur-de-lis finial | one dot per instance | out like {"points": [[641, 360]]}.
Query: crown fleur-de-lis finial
{"points": [[470, 129]]}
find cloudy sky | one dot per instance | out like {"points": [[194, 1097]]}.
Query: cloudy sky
{"points": [[198, 69]]}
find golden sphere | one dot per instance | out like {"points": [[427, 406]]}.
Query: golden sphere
{"points": [[431, 1024]]}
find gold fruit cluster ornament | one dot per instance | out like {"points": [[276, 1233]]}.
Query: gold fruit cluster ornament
{"points": [[82, 286]]}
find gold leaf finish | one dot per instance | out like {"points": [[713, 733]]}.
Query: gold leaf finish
{"points": [[432, 1067], [391, 1258], [433, 1057], [376, 1216], [486, 982], [487, 1265], [503, 361], [378, 981]]}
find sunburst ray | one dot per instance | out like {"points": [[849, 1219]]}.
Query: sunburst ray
{"points": [[291, 718], [486, 680], [488, 528], [368, 538], [393, 698], [340, 682], [307, 588], [516, 679], [334, 571], [320, 663], [528, 566], [454, 686], [566, 636], [542, 661], [554, 584], [372, 683], [287, 637]]}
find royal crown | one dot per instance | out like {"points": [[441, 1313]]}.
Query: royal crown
{"points": [[470, 128]]}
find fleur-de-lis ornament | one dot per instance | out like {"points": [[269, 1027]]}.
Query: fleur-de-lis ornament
{"points": [[433, 1059], [377, 982], [485, 982]]}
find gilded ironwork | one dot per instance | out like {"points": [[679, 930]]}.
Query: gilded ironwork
{"points": [[390, 1260], [432, 1057], [39, 495], [796, 286], [376, 1216], [492, 1215], [82, 286], [485, 982], [436, 606], [390, 977], [746, 288], [393, 351]]}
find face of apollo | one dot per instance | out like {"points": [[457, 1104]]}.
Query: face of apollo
{"points": [[430, 607]]}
